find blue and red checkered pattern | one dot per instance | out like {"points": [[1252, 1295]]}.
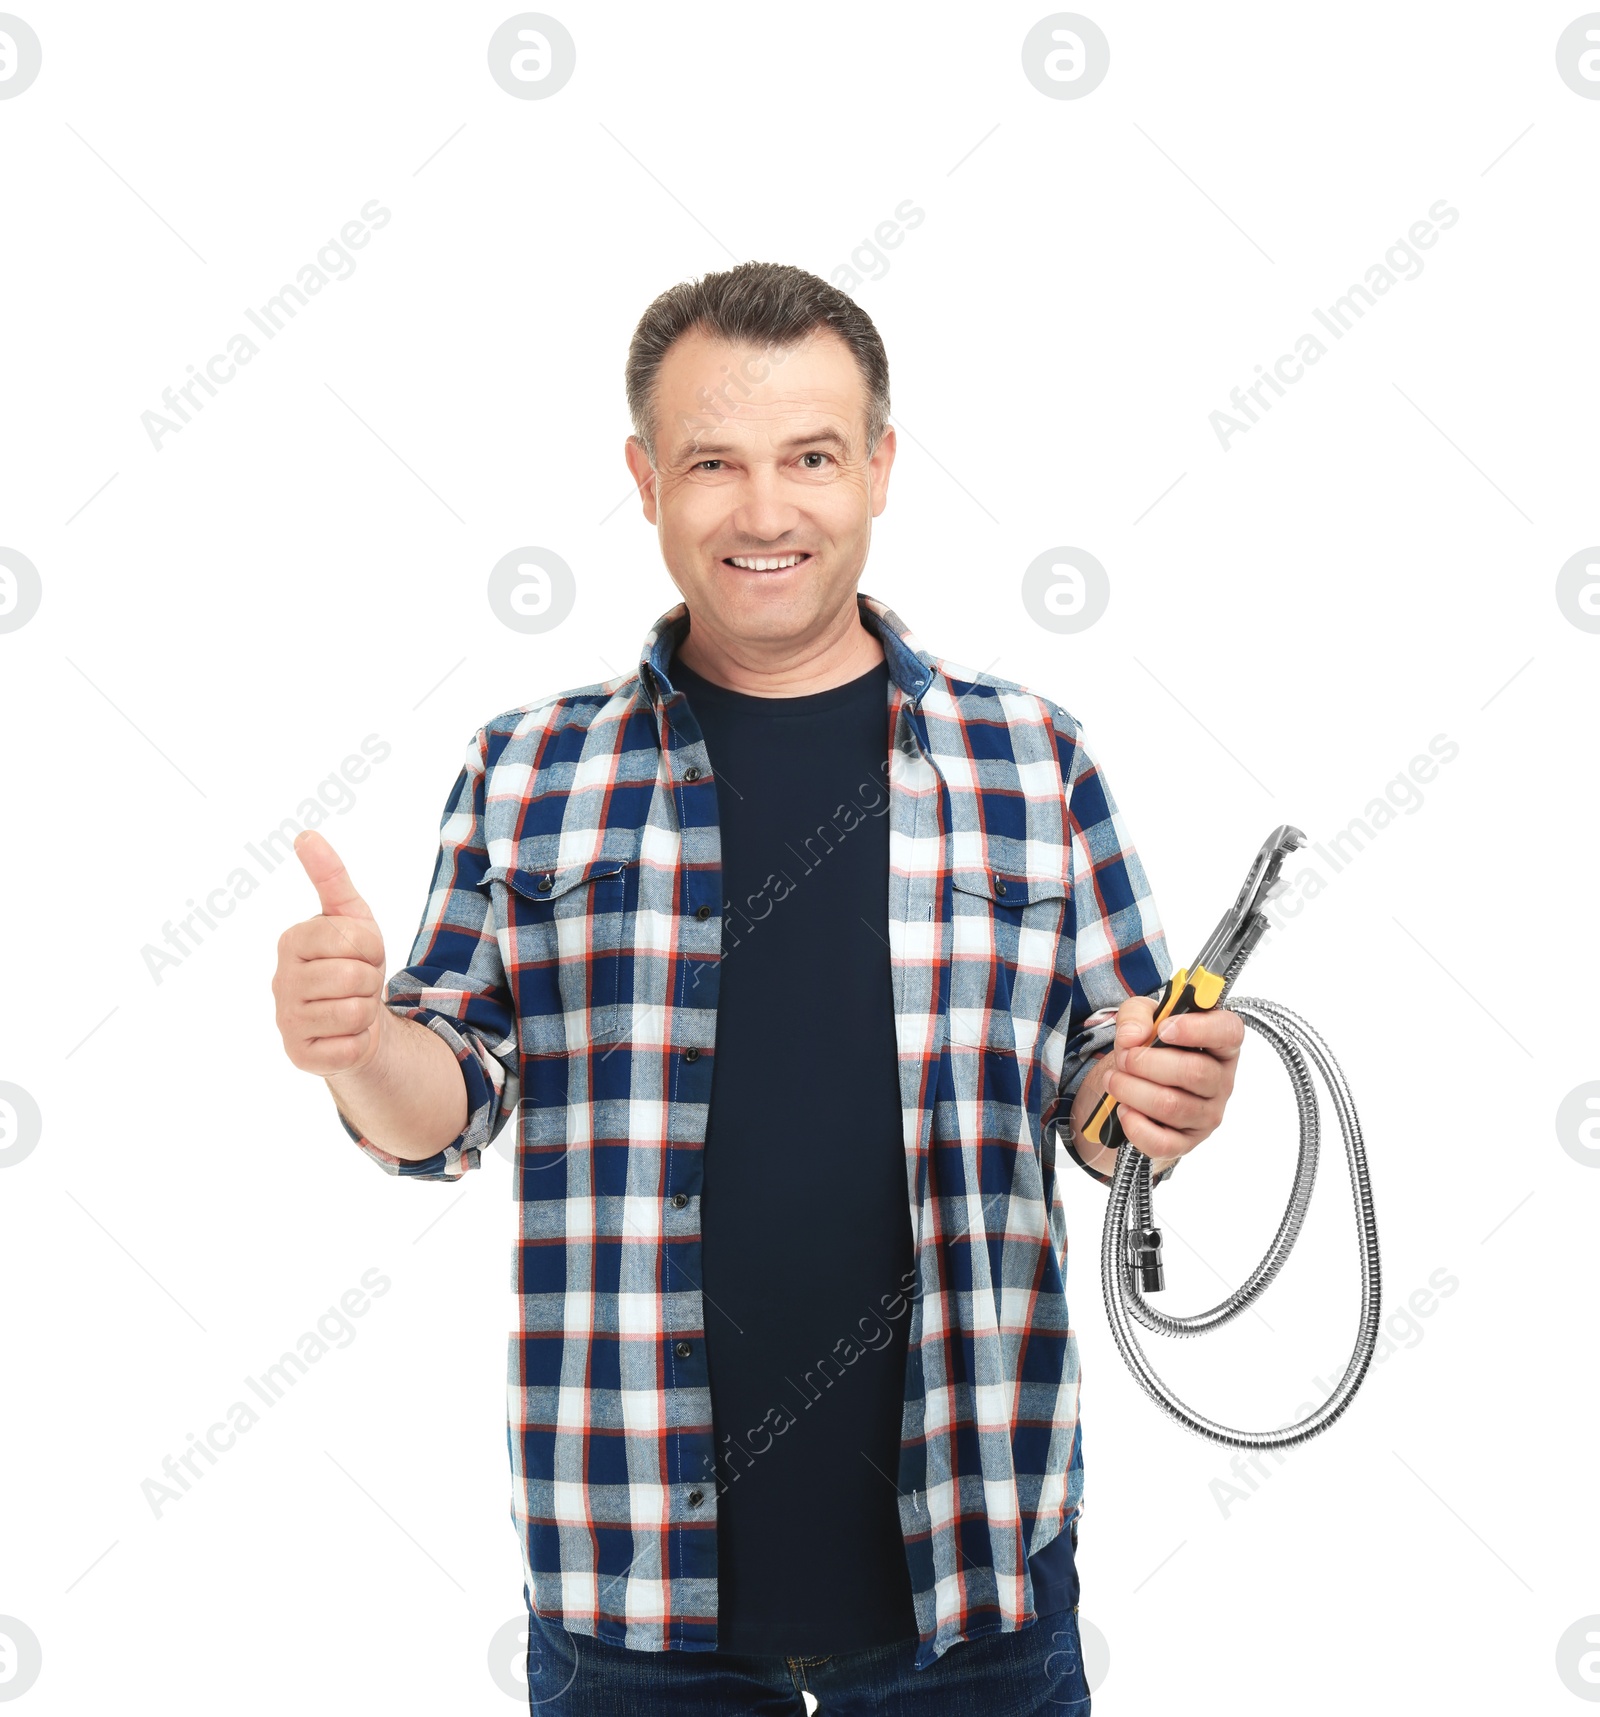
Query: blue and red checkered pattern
{"points": [[569, 955]]}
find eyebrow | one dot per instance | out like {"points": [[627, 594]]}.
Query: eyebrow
{"points": [[715, 449]]}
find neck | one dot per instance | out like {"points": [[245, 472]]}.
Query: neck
{"points": [[783, 668]]}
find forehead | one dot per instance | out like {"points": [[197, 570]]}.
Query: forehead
{"points": [[708, 386]]}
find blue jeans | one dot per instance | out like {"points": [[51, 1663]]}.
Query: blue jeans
{"points": [[1036, 1671]]}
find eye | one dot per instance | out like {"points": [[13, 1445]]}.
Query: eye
{"points": [[814, 455], [707, 464]]}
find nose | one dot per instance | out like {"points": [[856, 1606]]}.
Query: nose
{"points": [[760, 513]]}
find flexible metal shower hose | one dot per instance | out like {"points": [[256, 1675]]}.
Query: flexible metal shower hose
{"points": [[1294, 1042]]}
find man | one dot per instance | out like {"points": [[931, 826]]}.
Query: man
{"points": [[798, 947]]}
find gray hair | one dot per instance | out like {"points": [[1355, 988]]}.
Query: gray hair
{"points": [[769, 304]]}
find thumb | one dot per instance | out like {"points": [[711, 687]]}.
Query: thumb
{"points": [[1134, 1019], [335, 891]]}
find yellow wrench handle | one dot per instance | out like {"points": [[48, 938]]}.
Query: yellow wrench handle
{"points": [[1183, 992]]}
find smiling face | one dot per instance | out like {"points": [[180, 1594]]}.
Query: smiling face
{"points": [[763, 497]]}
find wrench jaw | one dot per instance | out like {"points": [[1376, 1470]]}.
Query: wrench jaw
{"points": [[1245, 922], [1264, 873]]}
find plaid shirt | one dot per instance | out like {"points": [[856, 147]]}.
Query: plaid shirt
{"points": [[568, 955]]}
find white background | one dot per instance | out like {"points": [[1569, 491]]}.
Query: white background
{"points": [[224, 620]]}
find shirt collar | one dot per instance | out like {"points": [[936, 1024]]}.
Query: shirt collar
{"points": [[910, 666]]}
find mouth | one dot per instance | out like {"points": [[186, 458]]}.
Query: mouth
{"points": [[765, 562]]}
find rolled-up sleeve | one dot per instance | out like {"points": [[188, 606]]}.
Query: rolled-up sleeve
{"points": [[1117, 948], [455, 984]]}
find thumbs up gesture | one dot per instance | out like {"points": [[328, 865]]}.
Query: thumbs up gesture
{"points": [[329, 982]]}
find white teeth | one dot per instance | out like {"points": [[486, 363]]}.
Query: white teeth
{"points": [[751, 563]]}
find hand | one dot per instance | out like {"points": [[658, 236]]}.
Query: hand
{"points": [[329, 981], [1172, 1099]]}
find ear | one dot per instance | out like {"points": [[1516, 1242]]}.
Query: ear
{"points": [[878, 468], [644, 476]]}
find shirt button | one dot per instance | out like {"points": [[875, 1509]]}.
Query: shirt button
{"points": [[696, 1497], [999, 886], [679, 1200], [545, 884], [691, 1055], [692, 773], [702, 913], [683, 1350]]}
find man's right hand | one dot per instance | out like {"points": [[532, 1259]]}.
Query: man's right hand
{"points": [[329, 981]]}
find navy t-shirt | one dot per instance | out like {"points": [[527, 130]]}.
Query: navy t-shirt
{"points": [[805, 1208]]}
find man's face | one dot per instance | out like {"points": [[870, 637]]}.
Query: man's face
{"points": [[761, 458]]}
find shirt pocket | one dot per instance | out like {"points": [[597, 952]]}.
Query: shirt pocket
{"points": [[1006, 932], [565, 943]]}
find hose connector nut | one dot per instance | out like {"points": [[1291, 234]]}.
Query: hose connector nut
{"points": [[1144, 1255]]}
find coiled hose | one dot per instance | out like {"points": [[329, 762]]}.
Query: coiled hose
{"points": [[1130, 1220]]}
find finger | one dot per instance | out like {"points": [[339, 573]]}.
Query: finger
{"points": [[335, 891], [1165, 1104], [330, 980], [335, 939], [342, 1016], [1151, 1138], [1134, 1018], [1204, 1075], [327, 1055], [1219, 1031]]}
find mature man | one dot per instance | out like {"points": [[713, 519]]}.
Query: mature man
{"points": [[797, 946]]}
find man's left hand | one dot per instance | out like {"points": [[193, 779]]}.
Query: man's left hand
{"points": [[1171, 1098]]}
